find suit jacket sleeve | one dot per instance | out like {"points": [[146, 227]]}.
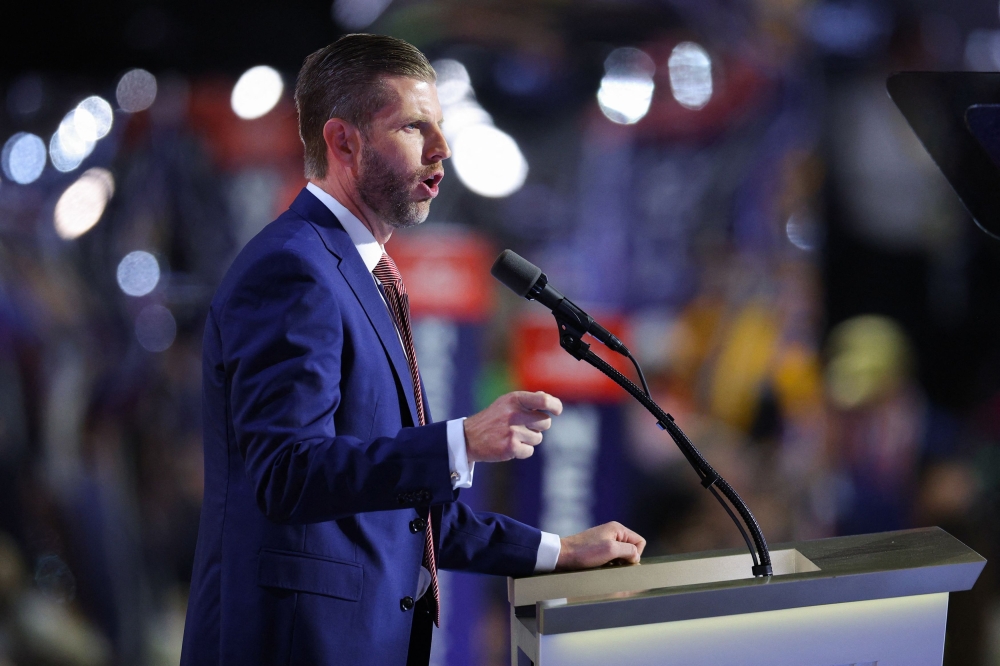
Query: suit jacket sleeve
{"points": [[283, 350], [487, 543]]}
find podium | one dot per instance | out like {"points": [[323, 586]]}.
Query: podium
{"points": [[868, 600]]}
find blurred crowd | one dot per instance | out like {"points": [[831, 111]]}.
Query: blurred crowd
{"points": [[805, 293]]}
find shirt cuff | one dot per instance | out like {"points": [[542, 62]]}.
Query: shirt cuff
{"points": [[458, 457], [548, 553]]}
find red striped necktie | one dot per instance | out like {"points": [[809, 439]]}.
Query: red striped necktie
{"points": [[399, 308]]}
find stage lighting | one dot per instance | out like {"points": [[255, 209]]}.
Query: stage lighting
{"points": [[23, 158], [101, 117], [488, 161], [690, 75], [136, 91], [627, 87], [453, 82], [256, 92], [138, 273], [73, 141], [82, 204]]}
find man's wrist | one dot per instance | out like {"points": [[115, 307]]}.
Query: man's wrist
{"points": [[549, 549], [458, 459]]}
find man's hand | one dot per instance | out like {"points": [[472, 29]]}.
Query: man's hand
{"points": [[511, 427], [600, 545]]}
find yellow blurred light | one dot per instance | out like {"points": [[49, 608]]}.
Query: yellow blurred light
{"points": [[82, 204]]}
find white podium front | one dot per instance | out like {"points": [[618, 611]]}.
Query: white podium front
{"points": [[868, 600]]}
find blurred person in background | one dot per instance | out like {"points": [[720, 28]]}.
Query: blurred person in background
{"points": [[330, 497]]}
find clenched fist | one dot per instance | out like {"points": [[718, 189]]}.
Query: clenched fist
{"points": [[600, 545], [511, 427]]}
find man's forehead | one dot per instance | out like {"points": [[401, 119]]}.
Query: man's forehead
{"points": [[410, 95]]}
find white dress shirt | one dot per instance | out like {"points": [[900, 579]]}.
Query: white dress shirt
{"points": [[458, 460]]}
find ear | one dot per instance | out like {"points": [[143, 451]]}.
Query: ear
{"points": [[343, 143]]}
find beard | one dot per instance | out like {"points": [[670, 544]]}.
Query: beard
{"points": [[386, 190]]}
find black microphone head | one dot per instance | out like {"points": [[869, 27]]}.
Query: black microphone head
{"points": [[517, 273]]}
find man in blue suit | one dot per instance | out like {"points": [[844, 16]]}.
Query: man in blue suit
{"points": [[320, 473]]}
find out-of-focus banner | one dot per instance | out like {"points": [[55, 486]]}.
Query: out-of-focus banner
{"points": [[540, 364], [446, 269]]}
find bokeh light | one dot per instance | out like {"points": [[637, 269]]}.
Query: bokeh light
{"points": [[82, 204], [155, 328], [101, 117], [136, 91], [138, 273], [23, 158], [690, 75], [256, 92], [453, 82], [627, 87], [358, 14], [801, 232], [489, 162], [73, 141], [466, 113]]}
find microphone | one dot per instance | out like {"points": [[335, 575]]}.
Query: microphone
{"points": [[528, 281]]}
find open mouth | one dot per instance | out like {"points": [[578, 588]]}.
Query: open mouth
{"points": [[432, 183]]}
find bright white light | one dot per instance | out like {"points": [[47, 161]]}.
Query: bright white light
{"points": [[68, 147], [82, 204], [453, 82], [460, 116], [625, 100], [357, 14], [488, 161], [627, 87], [138, 273], [101, 117], [256, 92], [155, 328], [23, 158], [136, 91], [690, 75]]}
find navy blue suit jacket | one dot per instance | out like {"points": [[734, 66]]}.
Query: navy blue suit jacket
{"points": [[313, 470]]}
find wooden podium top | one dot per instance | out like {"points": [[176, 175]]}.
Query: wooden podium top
{"points": [[718, 583]]}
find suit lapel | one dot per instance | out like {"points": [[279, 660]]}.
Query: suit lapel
{"points": [[339, 243]]}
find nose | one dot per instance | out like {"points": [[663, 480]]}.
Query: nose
{"points": [[437, 146]]}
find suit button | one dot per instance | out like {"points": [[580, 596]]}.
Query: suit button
{"points": [[418, 525], [405, 604]]}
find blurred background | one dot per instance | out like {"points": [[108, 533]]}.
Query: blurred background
{"points": [[725, 183]]}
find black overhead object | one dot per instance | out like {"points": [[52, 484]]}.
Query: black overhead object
{"points": [[956, 116]]}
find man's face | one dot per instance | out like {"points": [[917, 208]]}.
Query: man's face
{"points": [[401, 156]]}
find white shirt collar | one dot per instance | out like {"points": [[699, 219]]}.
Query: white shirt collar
{"points": [[364, 241]]}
